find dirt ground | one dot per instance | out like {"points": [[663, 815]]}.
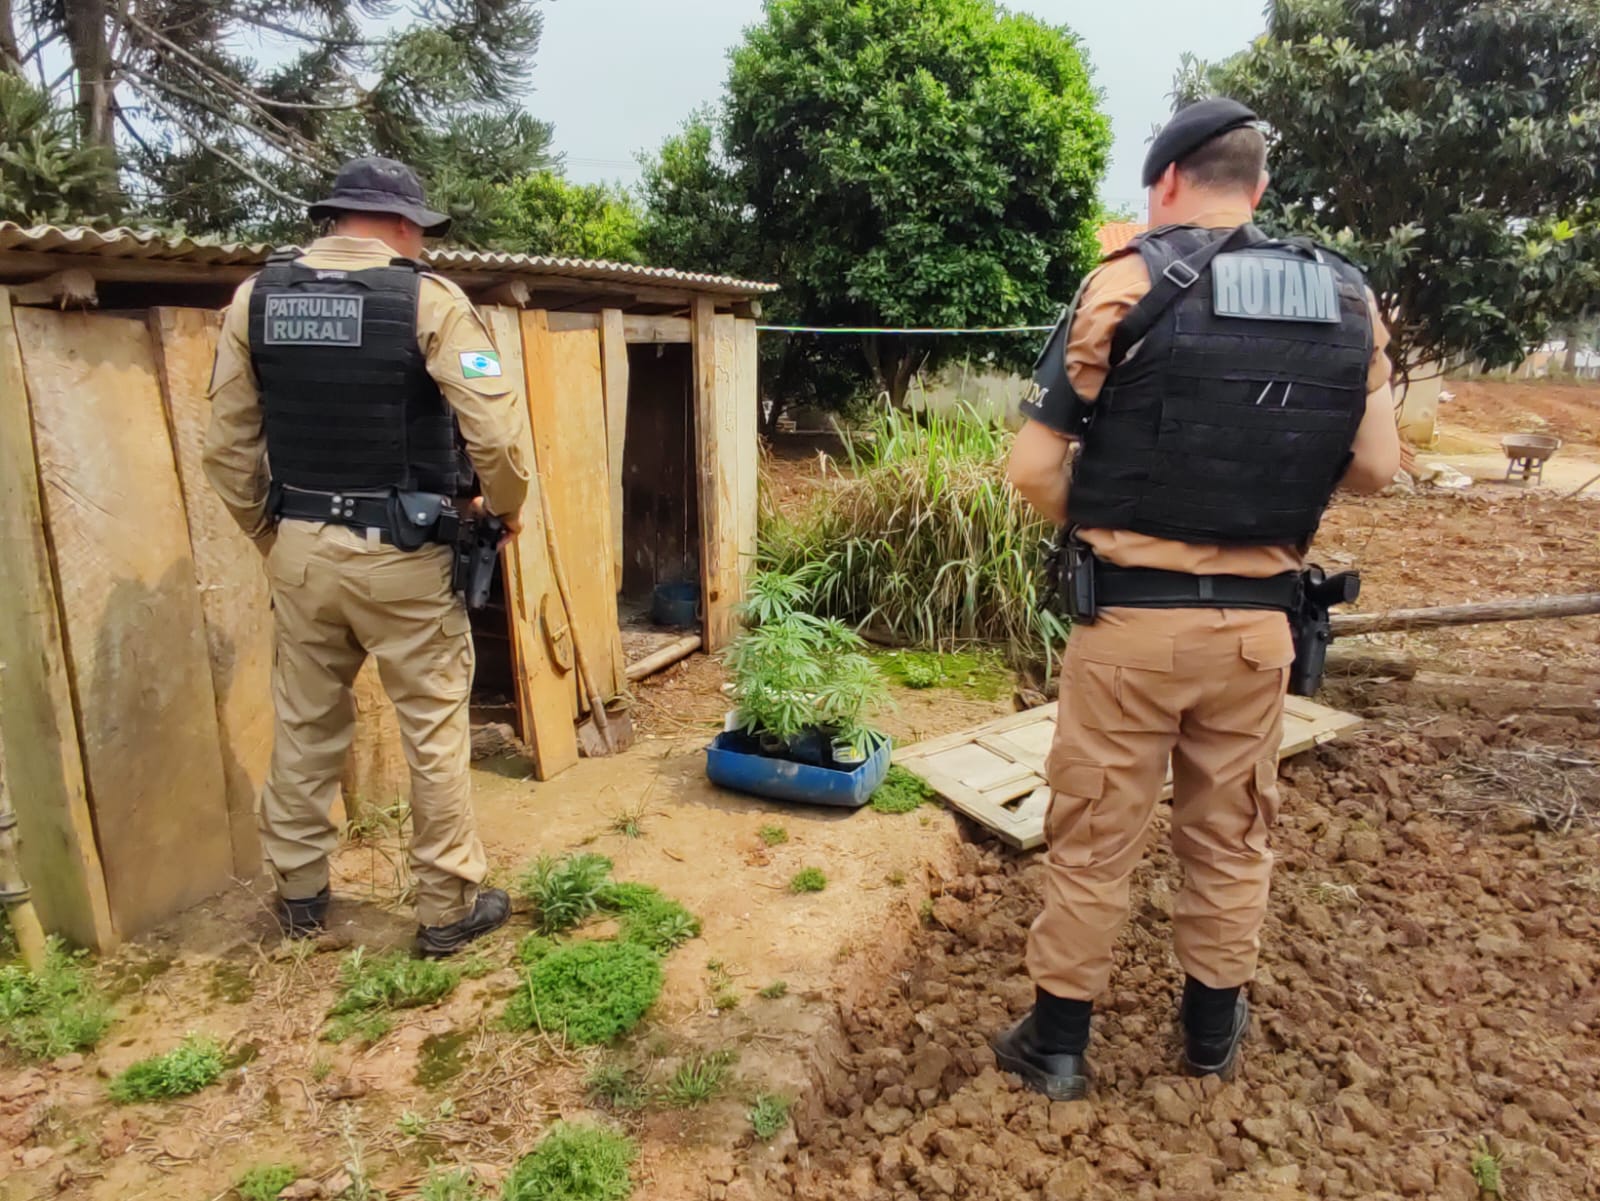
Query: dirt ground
{"points": [[1429, 991]]}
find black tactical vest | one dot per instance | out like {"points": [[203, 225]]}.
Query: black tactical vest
{"points": [[1231, 421], [345, 389]]}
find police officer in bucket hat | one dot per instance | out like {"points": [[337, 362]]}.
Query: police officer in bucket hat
{"points": [[360, 415], [1215, 386]]}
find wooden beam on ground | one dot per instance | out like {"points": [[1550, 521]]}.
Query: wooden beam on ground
{"points": [[1581, 604], [614, 372], [636, 328], [230, 575], [135, 632], [660, 660], [545, 689], [59, 856]]}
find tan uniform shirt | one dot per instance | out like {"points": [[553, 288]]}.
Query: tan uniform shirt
{"points": [[493, 424], [1111, 291]]}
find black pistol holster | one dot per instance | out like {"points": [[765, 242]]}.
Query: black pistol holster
{"points": [[477, 551], [1310, 624], [1069, 577]]}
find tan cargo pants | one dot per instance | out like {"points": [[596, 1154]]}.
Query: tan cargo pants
{"points": [[1205, 687], [336, 598]]}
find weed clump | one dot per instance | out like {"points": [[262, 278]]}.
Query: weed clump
{"points": [[774, 836], [373, 987], [53, 1013], [616, 1086], [187, 1068], [698, 1080], [648, 917], [809, 879], [590, 992], [264, 1183], [564, 891], [925, 539], [775, 990], [575, 1163], [901, 792], [457, 1184], [768, 1115]]}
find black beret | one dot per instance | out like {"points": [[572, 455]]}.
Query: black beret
{"points": [[1190, 129]]}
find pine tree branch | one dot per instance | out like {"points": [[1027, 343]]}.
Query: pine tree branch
{"points": [[305, 158], [316, 39], [211, 148]]}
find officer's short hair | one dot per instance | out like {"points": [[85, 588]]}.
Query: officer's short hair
{"points": [[1234, 160]]}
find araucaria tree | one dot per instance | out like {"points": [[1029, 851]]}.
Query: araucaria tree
{"points": [[211, 136], [904, 163], [1451, 147]]}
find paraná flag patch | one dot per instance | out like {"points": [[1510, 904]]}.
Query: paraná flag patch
{"points": [[480, 364]]}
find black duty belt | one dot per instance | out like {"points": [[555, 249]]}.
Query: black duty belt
{"points": [[1147, 588], [364, 511]]}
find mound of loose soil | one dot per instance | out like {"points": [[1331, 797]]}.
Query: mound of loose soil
{"points": [[1424, 985]]}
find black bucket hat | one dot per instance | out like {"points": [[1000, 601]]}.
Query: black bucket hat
{"points": [[380, 185]]}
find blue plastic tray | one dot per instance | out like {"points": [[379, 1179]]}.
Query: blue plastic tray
{"points": [[733, 761]]}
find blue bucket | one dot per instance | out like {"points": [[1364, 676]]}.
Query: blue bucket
{"points": [[733, 760], [675, 604]]}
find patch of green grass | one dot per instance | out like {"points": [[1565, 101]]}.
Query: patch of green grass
{"points": [[591, 992], [1486, 1168], [982, 673], [476, 966], [775, 990], [617, 1086], [564, 891], [901, 792], [768, 1115], [368, 1027], [265, 1182], [774, 836], [321, 1068], [455, 1184], [629, 822], [187, 1068], [575, 1163], [808, 879], [698, 1080], [535, 947], [412, 1124], [53, 1013], [392, 981], [648, 917]]}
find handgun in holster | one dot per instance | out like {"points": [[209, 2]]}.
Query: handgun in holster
{"points": [[1069, 577], [1313, 630], [477, 552]]}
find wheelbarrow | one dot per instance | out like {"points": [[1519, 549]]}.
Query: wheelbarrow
{"points": [[1526, 455]]}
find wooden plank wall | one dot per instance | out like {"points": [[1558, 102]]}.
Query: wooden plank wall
{"points": [[59, 855], [135, 631], [547, 696], [566, 397], [614, 369], [716, 448], [747, 443], [228, 569]]}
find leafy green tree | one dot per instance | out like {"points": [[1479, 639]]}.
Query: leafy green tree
{"points": [[1448, 146], [46, 175], [216, 139], [544, 214], [894, 163]]}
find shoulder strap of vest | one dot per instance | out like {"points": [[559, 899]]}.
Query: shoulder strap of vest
{"points": [[416, 265], [1177, 277]]}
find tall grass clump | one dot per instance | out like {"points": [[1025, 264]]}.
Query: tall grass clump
{"points": [[925, 539], [53, 1012]]}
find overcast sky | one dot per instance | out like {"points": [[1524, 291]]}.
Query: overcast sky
{"points": [[618, 76]]}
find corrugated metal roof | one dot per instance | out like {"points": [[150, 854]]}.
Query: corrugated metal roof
{"points": [[1114, 235], [152, 245]]}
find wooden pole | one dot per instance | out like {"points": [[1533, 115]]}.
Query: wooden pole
{"points": [[664, 658], [1530, 609]]}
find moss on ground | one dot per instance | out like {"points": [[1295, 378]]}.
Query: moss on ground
{"points": [[981, 673]]}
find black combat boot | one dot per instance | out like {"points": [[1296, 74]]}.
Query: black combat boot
{"points": [[1046, 1047], [489, 912], [305, 917], [1214, 1024]]}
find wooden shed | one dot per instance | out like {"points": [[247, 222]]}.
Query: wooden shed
{"points": [[135, 637]]}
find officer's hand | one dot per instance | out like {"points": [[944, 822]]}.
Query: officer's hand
{"points": [[513, 523]]}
